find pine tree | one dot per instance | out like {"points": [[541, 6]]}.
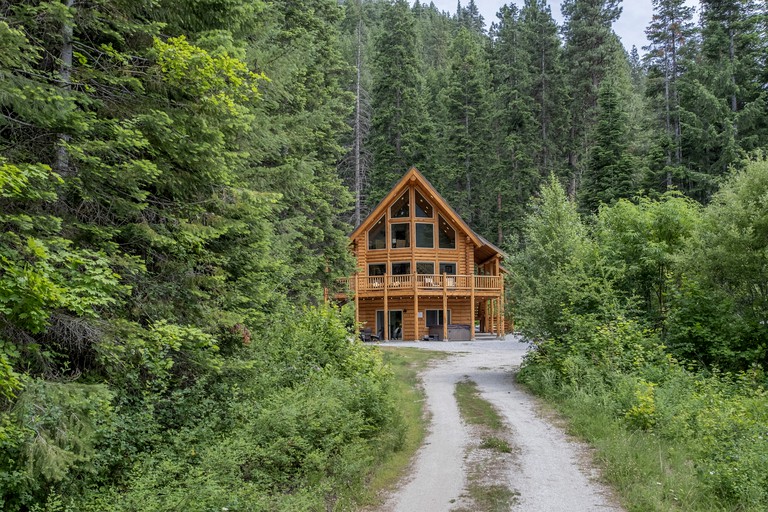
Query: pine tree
{"points": [[670, 31], [591, 49], [400, 123], [465, 126], [609, 175], [530, 119], [355, 166]]}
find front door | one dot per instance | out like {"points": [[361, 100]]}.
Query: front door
{"points": [[395, 324]]}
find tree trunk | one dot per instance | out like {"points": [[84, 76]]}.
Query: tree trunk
{"points": [[65, 73]]}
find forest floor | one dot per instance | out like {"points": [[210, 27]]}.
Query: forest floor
{"points": [[543, 468]]}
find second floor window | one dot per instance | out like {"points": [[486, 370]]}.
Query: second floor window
{"points": [[401, 208], [377, 236], [447, 234], [401, 235], [425, 236]]}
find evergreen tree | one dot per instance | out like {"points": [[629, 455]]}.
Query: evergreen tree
{"points": [[591, 49], [470, 18], [609, 175], [400, 123], [670, 32], [464, 157], [530, 117], [355, 166]]}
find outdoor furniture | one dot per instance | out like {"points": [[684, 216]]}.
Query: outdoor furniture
{"points": [[367, 335]]}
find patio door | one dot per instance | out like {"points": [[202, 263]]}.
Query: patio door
{"points": [[395, 324]]}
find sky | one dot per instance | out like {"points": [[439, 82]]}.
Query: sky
{"points": [[630, 27]]}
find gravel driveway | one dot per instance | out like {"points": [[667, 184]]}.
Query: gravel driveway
{"points": [[551, 472]]}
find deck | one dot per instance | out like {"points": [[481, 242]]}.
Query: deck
{"points": [[423, 284]]}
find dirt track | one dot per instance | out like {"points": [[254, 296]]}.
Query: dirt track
{"points": [[548, 471]]}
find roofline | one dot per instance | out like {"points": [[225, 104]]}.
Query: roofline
{"points": [[414, 173]]}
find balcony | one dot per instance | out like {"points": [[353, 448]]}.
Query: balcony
{"points": [[423, 284]]}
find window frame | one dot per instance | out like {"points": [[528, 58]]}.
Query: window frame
{"points": [[407, 215], [384, 265], [416, 195], [438, 314], [416, 231], [455, 267], [392, 268], [441, 219], [425, 263], [407, 235], [383, 221]]}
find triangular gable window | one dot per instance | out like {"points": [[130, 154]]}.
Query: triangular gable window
{"points": [[447, 234], [401, 208], [377, 236], [423, 208]]}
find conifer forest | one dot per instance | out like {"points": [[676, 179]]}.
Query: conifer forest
{"points": [[178, 180]]}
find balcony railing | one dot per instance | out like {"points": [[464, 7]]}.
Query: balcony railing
{"points": [[420, 282]]}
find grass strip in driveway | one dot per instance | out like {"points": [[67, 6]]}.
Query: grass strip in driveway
{"points": [[486, 490], [474, 409]]}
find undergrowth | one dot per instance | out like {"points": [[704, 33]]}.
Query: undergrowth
{"points": [[670, 437]]}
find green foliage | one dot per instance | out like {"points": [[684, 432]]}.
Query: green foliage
{"points": [[698, 275], [641, 241], [555, 274], [722, 304]]}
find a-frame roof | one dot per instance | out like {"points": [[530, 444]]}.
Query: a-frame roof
{"points": [[484, 250]]}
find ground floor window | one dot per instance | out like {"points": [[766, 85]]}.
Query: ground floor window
{"points": [[435, 317]]}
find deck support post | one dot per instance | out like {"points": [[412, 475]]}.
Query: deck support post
{"points": [[415, 307], [355, 288], [445, 307], [472, 308], [386, 307], [499, 333]]}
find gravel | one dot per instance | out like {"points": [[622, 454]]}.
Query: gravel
{"points": [[551, 473]]}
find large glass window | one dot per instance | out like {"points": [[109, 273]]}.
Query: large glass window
{"points": [[423, 208], [447, 234], [425, 267], [401, 235], [400, 209], [447, 268], [425, 235], [377, 269], [435, 317], [401, 268], [377, 235]]}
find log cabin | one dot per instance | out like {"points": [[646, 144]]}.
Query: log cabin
{"points": [[423, 269]]}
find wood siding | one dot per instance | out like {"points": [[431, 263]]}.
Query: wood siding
{"points": [[476, 282]]}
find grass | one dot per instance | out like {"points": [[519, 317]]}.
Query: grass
{"points": [[648, 472], [484, 494], [406, 364], [474, 409], [492, 498], [497, 444]]}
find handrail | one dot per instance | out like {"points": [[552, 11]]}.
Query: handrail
{"points": [[424, 282]]}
